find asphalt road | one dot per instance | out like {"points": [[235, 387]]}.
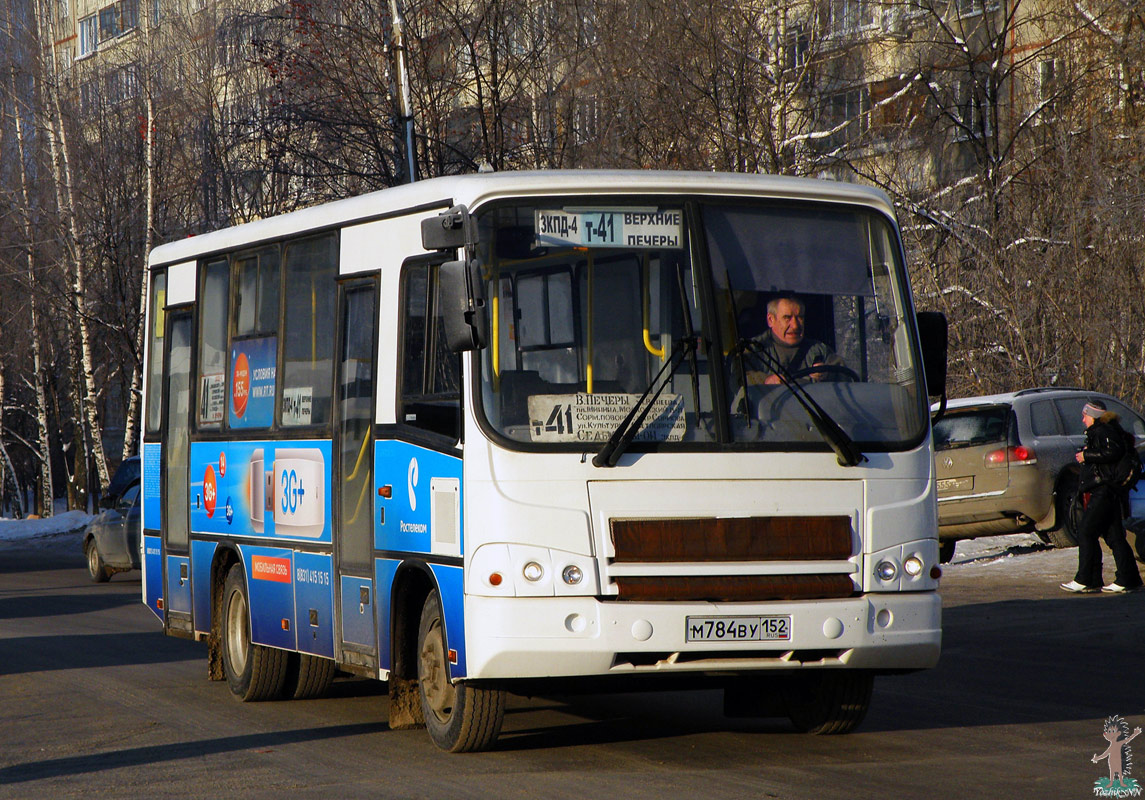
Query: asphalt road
{"points": [[96, 702]]}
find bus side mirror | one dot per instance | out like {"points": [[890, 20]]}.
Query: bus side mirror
{"points": [[449, 230], [460, 290], [932, 336]]}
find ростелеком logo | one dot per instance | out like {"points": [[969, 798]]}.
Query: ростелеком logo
{"points": [[412, 482]]}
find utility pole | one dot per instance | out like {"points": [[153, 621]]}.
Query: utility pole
{"points": [[405, 105]]}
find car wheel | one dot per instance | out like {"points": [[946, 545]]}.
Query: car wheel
{"points": [[95, 566], [460, 717], [1068, 513], [254, 672], [946, 551], [829, 702]]}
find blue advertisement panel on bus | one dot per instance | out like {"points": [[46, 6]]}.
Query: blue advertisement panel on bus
{"points": [[408, 519], [270, 489], [252, 383]]}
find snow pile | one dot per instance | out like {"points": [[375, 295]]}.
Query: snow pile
{"points": [[19, 530]]}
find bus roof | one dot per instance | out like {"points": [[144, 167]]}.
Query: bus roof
{"points": [[474, 189]]}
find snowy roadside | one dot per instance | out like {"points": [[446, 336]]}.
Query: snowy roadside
{"points": [[1019, 553], [27, 530]]}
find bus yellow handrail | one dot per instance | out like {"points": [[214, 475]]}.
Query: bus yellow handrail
{"points": [[588, 359], [358, 506], [361, 458], [647, 292], [497, 338]]}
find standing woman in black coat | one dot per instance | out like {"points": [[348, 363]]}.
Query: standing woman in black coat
{"points": [[1105, 444]]}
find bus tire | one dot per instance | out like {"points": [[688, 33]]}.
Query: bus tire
{"points": [[254, 672], [307, 676], [946, 550], [95, 566], [460, 717], [829, 702]]}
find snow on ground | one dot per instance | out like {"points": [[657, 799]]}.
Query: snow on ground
{"points": [[21, 530], [1021, 553]]}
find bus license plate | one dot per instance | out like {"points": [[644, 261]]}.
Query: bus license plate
{"points": [[738, 629]]}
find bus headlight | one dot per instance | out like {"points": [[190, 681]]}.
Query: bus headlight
{"points": [[913, 566], [518, 570], [886, 571]]}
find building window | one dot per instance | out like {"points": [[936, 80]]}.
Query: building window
{"points": [[1048, 85], [117, 19], [851, 16], [89, 98], [972, 112], [88, 35], [847, 115], [968, 8], [796, 49], [109, 26]]}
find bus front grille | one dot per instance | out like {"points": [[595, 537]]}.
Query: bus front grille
{"points": [[707, 539], [808, 541], [734, 588]]}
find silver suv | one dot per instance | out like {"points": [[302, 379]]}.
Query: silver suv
{"points": [[1005, 463]]}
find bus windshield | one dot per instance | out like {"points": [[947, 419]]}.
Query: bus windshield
{"points": [[590, 301]]}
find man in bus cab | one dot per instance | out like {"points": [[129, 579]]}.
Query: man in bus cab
{"points": [[786, 343]]}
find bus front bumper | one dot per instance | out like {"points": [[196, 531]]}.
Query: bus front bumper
{"points": [[522, 637]]}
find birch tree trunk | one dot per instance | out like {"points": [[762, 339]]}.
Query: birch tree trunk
{"points": [[44, 492], [65, 190], [133, 423]]}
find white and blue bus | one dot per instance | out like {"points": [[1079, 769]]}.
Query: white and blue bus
{"points": [[531, 432]]}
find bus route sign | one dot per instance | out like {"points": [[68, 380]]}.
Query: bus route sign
{"points": [[644, 228], [584, 417]]}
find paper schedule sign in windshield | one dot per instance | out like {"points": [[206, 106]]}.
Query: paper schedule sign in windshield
{"points": [[584, 417], [643, 228]]}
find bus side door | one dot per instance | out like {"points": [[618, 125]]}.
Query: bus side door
{"points": [[356, 626], [175, 475]]}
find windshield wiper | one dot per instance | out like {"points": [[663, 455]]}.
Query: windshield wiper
{"points": [[629, 426], [845, 450]]}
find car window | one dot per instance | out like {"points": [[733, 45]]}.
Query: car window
{"points": [[129, 498], [1129, 419], [968, 428], [1044, 420], [127, 473], [1070, 410]]}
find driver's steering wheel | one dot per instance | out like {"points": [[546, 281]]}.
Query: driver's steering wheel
{"points": [[838, 369]]}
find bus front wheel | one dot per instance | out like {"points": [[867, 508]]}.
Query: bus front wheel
{"points": [[460, 717], [828, 702], [254, 672]]}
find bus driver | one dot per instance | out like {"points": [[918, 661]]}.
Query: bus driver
{"points": [[786, 343]]}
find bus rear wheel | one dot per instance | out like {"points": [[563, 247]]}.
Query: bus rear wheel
{"points": [[307, 676], [828, 702], [460, 717], [254, 672]]}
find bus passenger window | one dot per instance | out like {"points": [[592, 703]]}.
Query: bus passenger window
{"points": [[431, 373], [256, 301], [155, 331], [308, 333], [254, 343], [212, 383]]}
